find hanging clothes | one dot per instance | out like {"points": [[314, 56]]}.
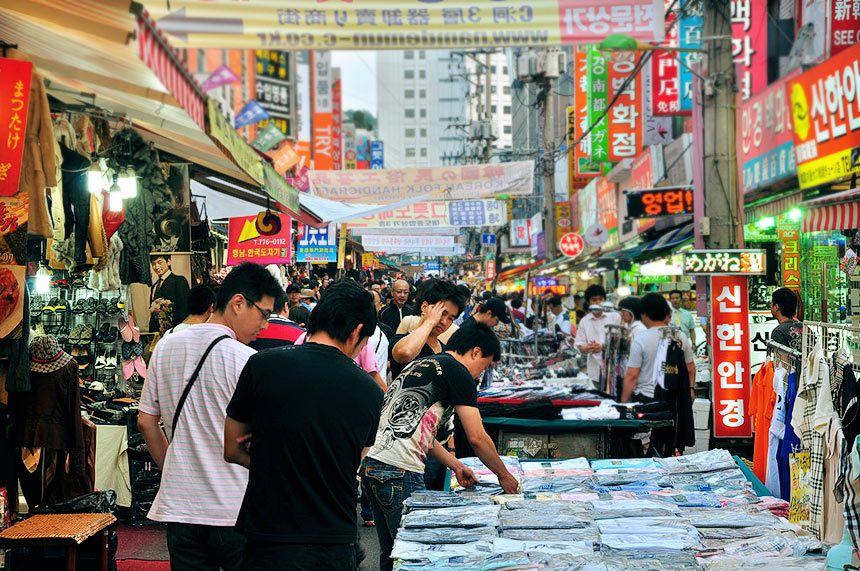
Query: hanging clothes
{"points": [[777, 432], [827, 424], [675, 392], [850, 481], [762, 399], [790, 442]]}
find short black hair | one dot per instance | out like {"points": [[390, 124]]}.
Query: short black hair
{"points": [[786, 299], [486, 296], [631, 304], [251, 280], [654, 306], [200, 298], [313, 283], [465, 291], [344, 306], [299, 314], [473, 334], [435, 290], [594, 290], [165, 257], [555, 301], [280, 303], [517, 302], [674, 291]]}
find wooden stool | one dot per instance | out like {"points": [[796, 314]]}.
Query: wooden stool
{"points": [[60, 530]]}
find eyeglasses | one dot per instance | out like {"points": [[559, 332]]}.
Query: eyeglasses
{"points": [[264, 312]]}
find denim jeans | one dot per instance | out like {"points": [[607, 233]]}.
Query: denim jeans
{"points": [[204, 547], [262, 556], [387, 487]]}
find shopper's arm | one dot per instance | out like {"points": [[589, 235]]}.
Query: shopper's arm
{"points": [[484, 447], [631, 379], [236, 442], [410, 346], [691, 370], [156, 441], [377, 378], [464, 474]]}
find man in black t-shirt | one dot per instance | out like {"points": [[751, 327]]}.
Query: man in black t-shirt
{"points": [[417, 405], [308, 438], [784, 310]]}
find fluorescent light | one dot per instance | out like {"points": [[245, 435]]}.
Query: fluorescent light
{"points": [[43, 280], [127, 181], [115, 196], [95, 177], [766, 223], [795, 214]]}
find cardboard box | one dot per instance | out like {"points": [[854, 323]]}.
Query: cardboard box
{"points": [[524, 446]]}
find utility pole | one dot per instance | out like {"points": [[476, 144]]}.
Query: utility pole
{"points": [[723, 222], [488, 116], [549, 168]]}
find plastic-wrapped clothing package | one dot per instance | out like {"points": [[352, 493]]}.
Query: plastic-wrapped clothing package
{"points": [[721, 478], [580, 534], [773, 544], [642, 525], [622, 477], [635, 487], [781, 563], [503, 545], [504, 499], [422, 552], [649, 560], [638, 464], [548, 506], [661, 540], [488, 483], [686, 499], [435, 499], [610, 509], [447, 534], [732, 532], [527, 519], [570, 467], [732, 518], [465, 516], [556, 484], [707, 461]]}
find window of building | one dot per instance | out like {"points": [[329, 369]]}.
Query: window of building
{"points": [[492, 69], [408, 74], [422, 74], [507, 90], [409, 54], [423, 151], [410, 113], [410, 153], [507, 109], [410, 133], [409, 94], [507, 129], [492, 109], [423, 132], [422, 113], [421, 54], [505, 70], [492, 89], [422, 94]]}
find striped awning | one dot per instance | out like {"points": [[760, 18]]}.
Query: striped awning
{"points": [[845, 216], [772, 208]]}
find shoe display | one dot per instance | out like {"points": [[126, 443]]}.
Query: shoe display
{"points": [[100, 362]]}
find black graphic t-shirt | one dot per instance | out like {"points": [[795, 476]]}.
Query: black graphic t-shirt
{"points": [[397, 368], [788, 333], [416, 405]]}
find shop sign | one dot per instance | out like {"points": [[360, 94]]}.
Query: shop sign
{"points": [[724, 262], [607, 205], [588, 205], [385, 186], [789, 235], [377, 155], [578, 117], [542, 285], [247, 244], [571, 245], [401, 244], [323, 121], [844, 25], [825, 103], [284, 158], [268, 138], [562, 218], [765, 142], [317, 244], [598, 100], [690, 28], [336, 120], [657, 202], [407, 24], [15, 77], [749, 45], [490, 271], [368, 260], [647, 169], [625, 117], [437, 214], [665, 75], [274, 88], [535, 228], [235, 146], [279, 189], [731, 356], [520, 235]]}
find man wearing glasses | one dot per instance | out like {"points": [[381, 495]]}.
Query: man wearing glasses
{"points": [[394, 313], [200, 493]]}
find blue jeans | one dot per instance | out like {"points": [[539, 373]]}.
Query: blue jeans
{"points": [[387, 487]]}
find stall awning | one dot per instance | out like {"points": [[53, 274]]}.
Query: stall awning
{"points": [[842, 216], [772, 208], [671, 238], [517, 270]]}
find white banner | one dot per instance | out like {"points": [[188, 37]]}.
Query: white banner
{"points": [[437, 214], [520, 236], [322, 82], [400, 244], [437, 231], [386, 186]]}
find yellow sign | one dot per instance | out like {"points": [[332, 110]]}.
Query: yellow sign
{"points": [[368, 260], [401, 25], [241, 152]]}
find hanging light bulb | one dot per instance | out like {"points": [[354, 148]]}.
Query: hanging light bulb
{"points": [[43, 280], [127, 182], [95, 177], [115, 196]]}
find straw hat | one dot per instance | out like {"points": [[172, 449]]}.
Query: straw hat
{"points": [[46, 355]]}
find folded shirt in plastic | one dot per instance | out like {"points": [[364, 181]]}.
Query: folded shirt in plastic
{"points": [[431, 499], [580, 534], [463, 516], [447, 534]]}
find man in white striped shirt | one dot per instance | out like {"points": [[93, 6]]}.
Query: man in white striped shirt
{"points": [[200, 493]]}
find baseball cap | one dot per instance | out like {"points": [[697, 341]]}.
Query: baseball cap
{"points": [[497, 308]]}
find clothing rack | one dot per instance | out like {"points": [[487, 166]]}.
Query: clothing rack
{"points": [[840, 326], [782, 348]]}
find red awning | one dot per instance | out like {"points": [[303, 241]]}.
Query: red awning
{"points": [[844, 216]]}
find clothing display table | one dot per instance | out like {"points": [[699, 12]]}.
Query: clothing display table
{"points": [[61, 530]]}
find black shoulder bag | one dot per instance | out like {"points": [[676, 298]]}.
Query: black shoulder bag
{"points": [[191, 382]]}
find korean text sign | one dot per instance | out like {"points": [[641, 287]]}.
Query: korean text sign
{"points": [[666, 77], [317, 244], [437, 214], [789, 235], [765, 142], [731, 356], [247, 244], [323, 117], [749, 45], [15, 77], [825, 103], [657, 202]]}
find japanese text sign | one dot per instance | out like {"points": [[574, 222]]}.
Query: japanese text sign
{"points": [[598, 100], [246, 244], [15, 77], [385, 186], [317, 244], [666, 76], [657, 202], [844, 25], [825, 103], [405, 24], [765, 142], [749, 45], [690, 27], [731, 356], [724, 262], [789, 235]]}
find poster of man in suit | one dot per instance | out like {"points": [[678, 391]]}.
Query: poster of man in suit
{"points": [[168, 297]]}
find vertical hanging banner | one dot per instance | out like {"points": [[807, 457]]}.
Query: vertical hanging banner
{"points": [[690, 28], [273, 88], [665, 75], [789, 235], [336, 120], [266, 243], [598, 101], [749, 45], [731, 356], [563, 215], [15, 78], [625, 118], [323, 122], [578, 116], [349, 153], [377, 155], [490, 271]]}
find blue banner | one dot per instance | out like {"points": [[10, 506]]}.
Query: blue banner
{"points": [[318, 244], [690, 29], [377, 155], [252, 112]]}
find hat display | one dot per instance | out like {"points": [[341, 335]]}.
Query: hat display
{"points": [[497, 308], [46, 355], [308, 293]]}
